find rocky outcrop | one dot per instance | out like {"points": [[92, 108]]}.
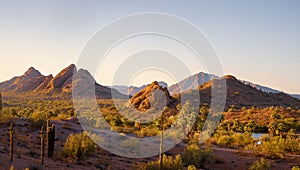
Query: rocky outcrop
{"points": [[191, 82], [30, 80], [59, 80], [44, 84], [240, 94], [34, 83], [152, 95]]}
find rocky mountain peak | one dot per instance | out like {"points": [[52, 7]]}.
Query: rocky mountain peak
{"points": [[152, 96], [59, 80], [32, 72], [229, 77]]}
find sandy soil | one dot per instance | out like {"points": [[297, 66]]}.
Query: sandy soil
{"points": [[27, 152]]}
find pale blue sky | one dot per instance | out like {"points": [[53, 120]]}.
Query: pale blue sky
{"points": [[256, 40]]}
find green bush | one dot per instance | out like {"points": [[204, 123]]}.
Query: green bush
{"points": [[193, 155], [262, 164], [192, 167], [225, 140], [40, 116], [169, 163], [295, 168], [242, 140], [79, 146], [292, 145], [275, 148]]}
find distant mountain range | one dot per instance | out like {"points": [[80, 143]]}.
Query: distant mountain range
{"points": [[239, 92], [193, 82], [33, 83], [131, 90]]}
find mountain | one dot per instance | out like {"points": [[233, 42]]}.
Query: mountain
{"points": [[58, 82], [131, 90], [29, 81], [259, 87], [267, 89], [297, 96], [191, 82], [153, 95], [240, 94], [33, 83]]}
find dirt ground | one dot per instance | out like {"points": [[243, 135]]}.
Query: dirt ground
{"points": [[27, 152]]}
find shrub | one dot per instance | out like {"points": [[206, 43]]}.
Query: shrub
{"points": [[273, 149], [139, 166], [193, 155], [168, 163], [225, 140], [295, 168], [262, 164], [192, 167], [148, 131], [62, 116], [41, 116], [79, 146], [242, 139], [292, 145]]}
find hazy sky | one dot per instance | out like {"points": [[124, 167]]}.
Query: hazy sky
{"points": [[256, 40]]}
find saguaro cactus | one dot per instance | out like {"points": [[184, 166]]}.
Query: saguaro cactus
{"points": [[50, 139], [0, 102], [11, 141], [42, 144]]}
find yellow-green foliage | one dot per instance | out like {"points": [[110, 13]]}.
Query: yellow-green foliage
{"points": [[79, 146], [169, 163], [228, 139], [295, 168], [275, 148], [225, 140], [194, 155], [241, 140], [40, 116], [148, 131], [262, 164], [292, 146], [192, 167], [4, 118]]}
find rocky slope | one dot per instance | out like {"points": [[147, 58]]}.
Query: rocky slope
{"points": [[29, 81], [240, 94], [152, 95], [191, 82], [132, 90], [32, 82]]}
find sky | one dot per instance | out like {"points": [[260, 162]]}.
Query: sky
{"points": [[255, 40]]}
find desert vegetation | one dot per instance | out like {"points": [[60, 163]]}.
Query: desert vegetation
{"points": [[234, 131]]}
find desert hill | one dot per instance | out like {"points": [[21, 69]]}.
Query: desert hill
{"points": [[240, 94], [153, 95], [132, 90], [33, 83], [191, 82]]}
